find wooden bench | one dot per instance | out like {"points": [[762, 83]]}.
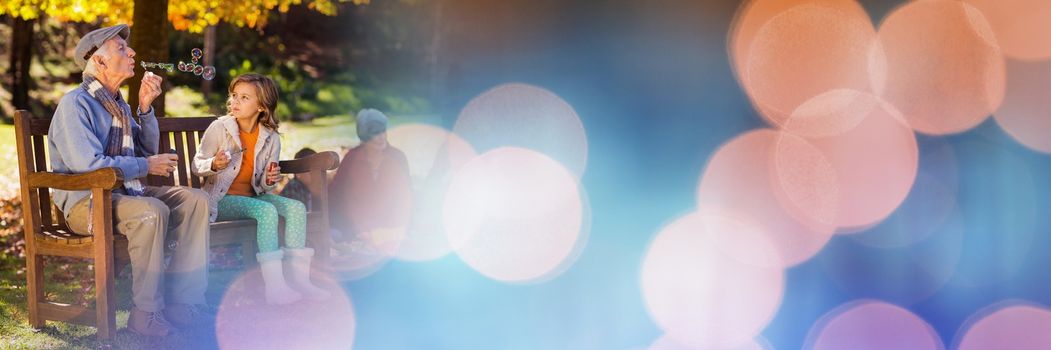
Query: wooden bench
{"points": [[46, 232]]}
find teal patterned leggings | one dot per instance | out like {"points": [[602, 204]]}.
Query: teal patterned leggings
{"points": [[264, 209]]}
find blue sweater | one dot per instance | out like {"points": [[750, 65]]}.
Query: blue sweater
{"points": [[78, 137]]}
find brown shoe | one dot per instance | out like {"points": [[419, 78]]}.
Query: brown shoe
{"points": [[184, 315], [150, 324]]}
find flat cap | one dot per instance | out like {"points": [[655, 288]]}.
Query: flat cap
{"points": [[94, 40], [370, 122]]}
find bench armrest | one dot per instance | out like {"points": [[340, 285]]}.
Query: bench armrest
{"points": [[105, 178], [323, 161]]}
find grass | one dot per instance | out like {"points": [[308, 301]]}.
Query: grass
{"points": [[69, 280], [333, 133], [336, 133]]}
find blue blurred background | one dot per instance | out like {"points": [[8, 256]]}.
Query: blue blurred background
{"points": [[653, 86]]}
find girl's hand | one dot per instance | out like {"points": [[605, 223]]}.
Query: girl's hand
{"points": [[222, 160], [273, 174]]}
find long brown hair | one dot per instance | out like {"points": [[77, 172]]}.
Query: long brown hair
{"points": [[267, 91]]}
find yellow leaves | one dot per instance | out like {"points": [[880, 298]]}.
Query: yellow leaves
{"points": [[21, 9], [111, 11], [251, 18], [325, 7], [192, 16], [27, 12], [179, 23]]}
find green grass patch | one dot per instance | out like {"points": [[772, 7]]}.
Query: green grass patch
{"points": [[70, 280]]}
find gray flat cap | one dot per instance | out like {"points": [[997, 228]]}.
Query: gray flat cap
{"points": [[371, 122], [94, 40]]}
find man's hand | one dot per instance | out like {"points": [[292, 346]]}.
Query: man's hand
{"points": [[162, 164], [148, 91], [221, 161]]}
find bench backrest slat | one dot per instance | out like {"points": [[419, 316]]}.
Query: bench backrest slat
{"points": [[178, 134], [180, 149], [40, 164], [191, 149], [31, 145], [27, 130]]}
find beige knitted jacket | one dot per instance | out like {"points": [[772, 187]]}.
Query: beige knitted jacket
{"points": [[222, 135]]}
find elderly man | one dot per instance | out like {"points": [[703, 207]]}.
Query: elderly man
{"points": [[93, 128], [372, 189]]}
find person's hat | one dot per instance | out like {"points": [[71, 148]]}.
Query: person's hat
{"points": [[94, 40], [371, 122]]}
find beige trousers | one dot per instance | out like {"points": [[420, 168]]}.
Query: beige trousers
{"points": [[162, 214]]}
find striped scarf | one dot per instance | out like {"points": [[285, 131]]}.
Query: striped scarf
{"points": [[120, 140]]}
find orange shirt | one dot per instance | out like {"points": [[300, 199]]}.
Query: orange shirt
{"points": [[242, 185]]}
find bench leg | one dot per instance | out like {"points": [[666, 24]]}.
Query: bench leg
{"points": [[253, 280], [35, 287], [105, 300], [321, 241], [248, 251]]}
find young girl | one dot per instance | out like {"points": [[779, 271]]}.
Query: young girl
{"points": [[238, 159]]}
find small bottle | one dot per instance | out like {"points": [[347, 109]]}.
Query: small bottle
{"points": [[269, 168]]}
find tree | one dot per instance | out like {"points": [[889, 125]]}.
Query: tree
{"points": [[195, 16], [150, 37], [192, 16], [150, 41], [21, 51]]}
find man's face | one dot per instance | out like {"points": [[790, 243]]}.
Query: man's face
{"points": [[118, 60], [377, 143]]}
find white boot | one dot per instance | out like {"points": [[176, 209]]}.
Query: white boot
{"points": [[277, 291], [299, 273]]}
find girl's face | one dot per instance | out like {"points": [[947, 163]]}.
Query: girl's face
{"points": [[244, 103]]}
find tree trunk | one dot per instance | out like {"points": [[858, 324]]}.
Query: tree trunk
{"points": [[149, 39], [209, 60], [21, 56], [434, 60]]}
